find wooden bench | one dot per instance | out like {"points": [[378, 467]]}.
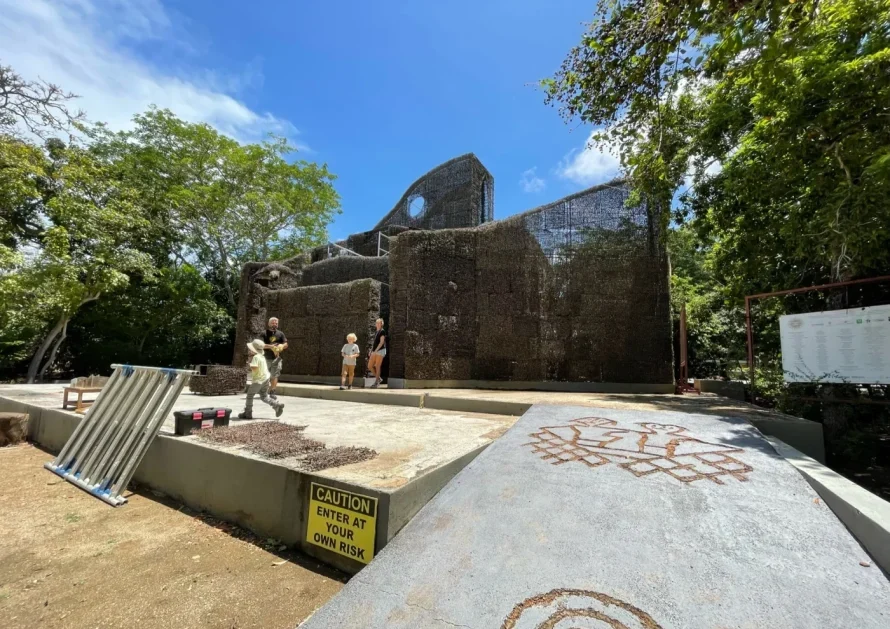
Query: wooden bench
{"points": [[91, 384]]}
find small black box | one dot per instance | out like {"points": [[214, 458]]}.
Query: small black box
{"points": [[189, 421]]}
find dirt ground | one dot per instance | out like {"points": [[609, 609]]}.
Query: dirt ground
{"points": [[68, 560]]}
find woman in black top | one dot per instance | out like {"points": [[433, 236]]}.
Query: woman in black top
{"points": [[378, 351]]}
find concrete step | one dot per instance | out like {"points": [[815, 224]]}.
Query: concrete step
{"points": [[583, 517], [402, 397]]}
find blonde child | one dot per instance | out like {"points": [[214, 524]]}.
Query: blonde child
{"points": [[349, 353], [259, 381]]}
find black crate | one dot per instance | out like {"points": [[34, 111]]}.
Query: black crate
{"points": [[189, 421]]}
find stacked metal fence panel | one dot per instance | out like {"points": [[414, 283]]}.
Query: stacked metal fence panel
{"points": [[106, 447]]}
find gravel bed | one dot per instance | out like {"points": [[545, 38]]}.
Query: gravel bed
{"points": [[275, 440]]}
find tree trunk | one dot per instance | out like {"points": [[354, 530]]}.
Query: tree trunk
{"points": [[41, 351], [57, 329], [142, 341], [231, 295], [227, 275], [52, 355]]}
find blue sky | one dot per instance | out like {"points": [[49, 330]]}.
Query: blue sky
{"points": [[380, 91]]}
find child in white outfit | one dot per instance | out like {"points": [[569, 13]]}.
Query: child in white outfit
{"points": [[349, 353], [259, 381]]}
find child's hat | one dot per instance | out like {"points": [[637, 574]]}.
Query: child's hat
{"points": [[256, 345]]}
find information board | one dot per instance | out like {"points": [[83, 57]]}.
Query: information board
{"points": [[342, 522], [837, 346]]}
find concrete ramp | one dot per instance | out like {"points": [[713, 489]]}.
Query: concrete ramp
{"points": [[598, 518]]}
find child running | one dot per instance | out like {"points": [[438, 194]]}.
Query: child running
{"points": [[259, 381], [349, 353]]}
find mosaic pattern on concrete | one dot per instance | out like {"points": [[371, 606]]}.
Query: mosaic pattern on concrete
{"points": [[577, 608], [649, 449]]}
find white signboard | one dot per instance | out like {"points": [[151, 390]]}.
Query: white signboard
{"points": [[837, 346]]}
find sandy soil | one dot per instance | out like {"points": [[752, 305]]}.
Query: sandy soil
{"points": [[68, 560]]}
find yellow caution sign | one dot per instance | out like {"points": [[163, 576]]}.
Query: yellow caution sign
{"points": [[342, 522]]}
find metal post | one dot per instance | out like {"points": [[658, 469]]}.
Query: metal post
{"points": [[104, 413], [100, 433], [84, 427], [748, 298], [152, 379], [107, 446], [174, 389], [166, 370], [684, 370], [118, 423], [122, 452], [750, 333]]}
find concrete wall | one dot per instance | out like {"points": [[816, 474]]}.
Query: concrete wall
{"points": [[513, 332], [458, 193], [733, 390], [318, 305], [865, 514], [346, 268], [805, 435], [487, 304], [316, 320], [433, 304], [267, 498], [574, 291], [257, 279]]}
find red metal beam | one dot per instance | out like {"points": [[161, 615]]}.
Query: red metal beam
{"points": [[871, 280], [748, 298]]}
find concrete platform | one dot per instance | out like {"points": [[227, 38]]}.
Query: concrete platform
{"points": [[419, 451], [409, 442], [802, 434], [533, 385], [582, 517]]}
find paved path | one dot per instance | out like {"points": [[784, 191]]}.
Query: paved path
{"points": [[582, 517]]}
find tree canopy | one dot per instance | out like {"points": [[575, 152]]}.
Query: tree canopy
{"points": [[150, 225], [788, 99], [218, 203]]}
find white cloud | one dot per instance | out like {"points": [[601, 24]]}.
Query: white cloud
{"points": [[530, 182], [591, 165], [86, 47]]}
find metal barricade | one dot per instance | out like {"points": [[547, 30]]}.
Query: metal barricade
{"points": [[106, 447]]}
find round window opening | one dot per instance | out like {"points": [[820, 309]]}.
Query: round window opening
{"points": [[416, 206]]}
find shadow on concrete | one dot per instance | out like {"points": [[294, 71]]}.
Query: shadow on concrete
{"points": [[742, 437], [703, 405]]}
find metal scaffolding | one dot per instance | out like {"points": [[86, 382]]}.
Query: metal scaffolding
{"points": [[102, 454]]}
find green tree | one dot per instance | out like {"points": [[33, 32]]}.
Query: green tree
{"points": [[173, 320], [715, 330], [221, 203], [799, 121], [790, 97], [23, 168], [162, 217], [94, 238]]}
